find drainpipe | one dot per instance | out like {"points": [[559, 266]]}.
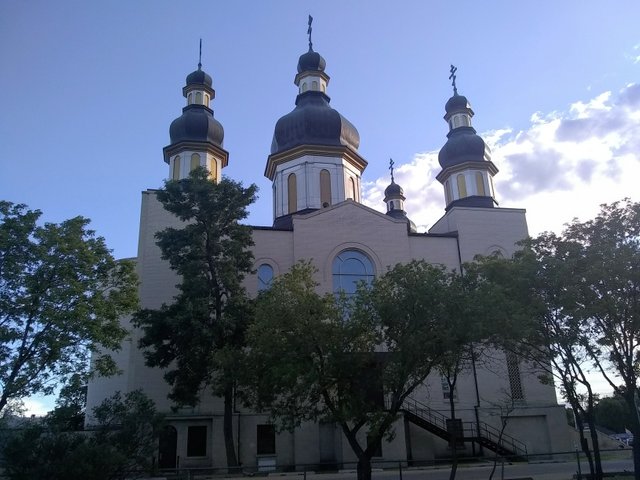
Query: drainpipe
{"points": [[235, 408], [477, 405]]}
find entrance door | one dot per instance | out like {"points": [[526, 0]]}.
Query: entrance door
{"points": [[327, 446], [168, 447]]}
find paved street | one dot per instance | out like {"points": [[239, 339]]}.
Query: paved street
{"points": [[537, 471]]}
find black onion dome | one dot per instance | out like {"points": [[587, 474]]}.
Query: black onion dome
{"points": [[311, 61], [393, 190], [196, 124], [313, 122], [457, 103], [199, 77], [463, 146]]}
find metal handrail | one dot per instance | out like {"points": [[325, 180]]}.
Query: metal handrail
{"points": [[482, 430], [426, 413], [493, 434]]}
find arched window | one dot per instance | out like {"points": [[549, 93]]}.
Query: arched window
{"points": [[325, 188], [304, 87], [175, 175], [350, 268], [190, 99], [195, 161], [460, 120], [323, 87], [292, 192], [314, 85], [265, 276], [462, 186], [480, 184], [199, 98], [206, 100], [352, 187], [213, 169]]}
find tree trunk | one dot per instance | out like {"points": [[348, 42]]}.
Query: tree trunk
{"points": [[503, 424], [629, 396], [636, 456], [580, 415], [453, 435], [232, 460], [3, 402], [584, 445], [596, 446], [454, 464], [364, 467]]}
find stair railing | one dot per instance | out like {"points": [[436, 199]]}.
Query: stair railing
{"points": [[423, 411], [503, 440], [470, 429]]}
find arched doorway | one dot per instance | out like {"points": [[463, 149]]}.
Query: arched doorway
{"points": [[168, 447]]}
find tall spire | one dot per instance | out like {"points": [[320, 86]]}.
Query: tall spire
{"points": [[200, 57]]}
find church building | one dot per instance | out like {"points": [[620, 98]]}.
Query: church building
{"points": [[318, 215]]}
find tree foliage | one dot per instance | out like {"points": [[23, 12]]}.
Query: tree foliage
{"points": [[466, 328], [198, 338], [542, 276], [582, 291], [69, 413], [121, 445], [608, 260], [350, 361], [613, 413], [61, 297]]}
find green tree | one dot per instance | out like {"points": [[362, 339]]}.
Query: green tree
{"points": [[198, 339], [69, 414], [583, 290], [544, 328], [613, 413], [121, 445], [61, 297], [352, 362], [127, 427], [468, 316], [608, 254], [559, 340], [601, 296]]}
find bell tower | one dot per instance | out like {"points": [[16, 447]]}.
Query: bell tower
{"points": [[467, 170], [196, 136], [314, 161]]}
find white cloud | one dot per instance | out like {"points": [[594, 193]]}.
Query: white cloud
{"points": [[564, 165], [36, 406], [424, 194]]}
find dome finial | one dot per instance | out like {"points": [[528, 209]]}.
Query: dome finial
{"points": [[452, 77], [391, 164], [200, 57], [309, 33]]}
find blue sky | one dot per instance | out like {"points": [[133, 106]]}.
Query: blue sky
{"points": [[88, 90]]}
